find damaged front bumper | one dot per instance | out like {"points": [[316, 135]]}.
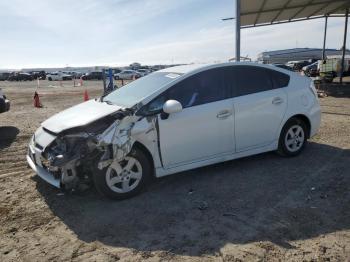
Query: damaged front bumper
{"points": [[35, 161], [64, 160]]}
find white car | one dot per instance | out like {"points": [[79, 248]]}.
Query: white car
{"points": [[143, 72], [173, 120], [58, 76], [127, 75]]}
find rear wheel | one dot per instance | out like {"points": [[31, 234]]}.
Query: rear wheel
{"points": [[125, 178], [293, 138], [50, 79]]}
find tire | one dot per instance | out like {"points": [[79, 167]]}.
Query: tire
{"points": [[293, 138], [50, 79], [110, 181], [2, 105]]}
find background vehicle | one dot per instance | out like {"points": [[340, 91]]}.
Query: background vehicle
{"points": [[4, 103], [4, 76], [298, 65], [331, 67], [38, 74], [58, 76], [93, 76], [74, 74], [143, 72], [311, 70], [20, 77], [150, 126], [284, 66], [127, 75]]}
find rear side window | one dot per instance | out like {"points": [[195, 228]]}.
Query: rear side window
{"points": [[245, 80], [252, 79]]}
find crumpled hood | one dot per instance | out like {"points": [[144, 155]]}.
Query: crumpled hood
{"points": [[79, 115]]}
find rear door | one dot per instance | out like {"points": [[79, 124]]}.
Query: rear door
{"points": [[260, 104]]}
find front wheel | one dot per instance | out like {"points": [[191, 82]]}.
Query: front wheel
{"points": [[124, 179], [293, 138]]}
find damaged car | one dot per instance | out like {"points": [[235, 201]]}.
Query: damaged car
{"points": [[174, 120]]}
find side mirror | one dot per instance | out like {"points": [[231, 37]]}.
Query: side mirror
{"points": [[172, 106]]}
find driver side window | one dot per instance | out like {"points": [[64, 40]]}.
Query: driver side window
{"points": [[204, 87], [157, 104]]}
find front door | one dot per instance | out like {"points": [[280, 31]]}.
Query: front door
{"points": [[196, 133], [204, 128]]}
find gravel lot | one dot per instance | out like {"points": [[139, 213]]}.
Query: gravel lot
{"points": [[254, 209]]}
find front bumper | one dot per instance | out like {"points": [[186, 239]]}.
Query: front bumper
{"points": [[35, 162]]}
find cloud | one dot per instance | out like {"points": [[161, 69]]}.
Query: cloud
{"points": [[93, 32]]}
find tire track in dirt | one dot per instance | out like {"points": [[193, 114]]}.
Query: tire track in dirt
{"points": [[12, 158]]}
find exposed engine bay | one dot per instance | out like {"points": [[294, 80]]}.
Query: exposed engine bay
{"points": [[75, 153]]}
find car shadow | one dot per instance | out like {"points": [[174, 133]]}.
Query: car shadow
{"points": [[259, 198], [8, 134]]}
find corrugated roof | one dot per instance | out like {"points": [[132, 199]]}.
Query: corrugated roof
{"points": [[297, 50], [265, 12]]}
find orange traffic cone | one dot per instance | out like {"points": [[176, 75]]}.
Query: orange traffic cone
{"points": [[86, 95], [37, 100]]}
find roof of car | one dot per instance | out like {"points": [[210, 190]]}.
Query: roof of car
{"points": [[183, 69]]}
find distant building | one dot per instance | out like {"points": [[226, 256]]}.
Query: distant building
{"points": [[295, 54]]}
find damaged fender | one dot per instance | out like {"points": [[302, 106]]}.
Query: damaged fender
{"points": [[116, 141]]}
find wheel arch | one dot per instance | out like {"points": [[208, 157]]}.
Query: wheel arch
{"points": [[139, 146], [303, 118]]}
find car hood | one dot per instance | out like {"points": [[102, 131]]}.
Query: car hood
{"points": [[79, 115]]}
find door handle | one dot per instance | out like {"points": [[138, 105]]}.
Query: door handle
{"points": [[277, 101], [224, 114]]}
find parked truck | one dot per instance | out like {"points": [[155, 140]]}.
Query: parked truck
{"points": [[331, 67]]}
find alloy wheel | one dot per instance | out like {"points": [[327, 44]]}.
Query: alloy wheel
{"points": [[124, 176], [294, 138]]}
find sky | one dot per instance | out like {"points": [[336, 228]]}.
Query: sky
{"points": [[59, 33]]}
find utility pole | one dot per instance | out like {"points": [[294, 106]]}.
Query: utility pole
{"points": [[238, 30], [344, 46]]}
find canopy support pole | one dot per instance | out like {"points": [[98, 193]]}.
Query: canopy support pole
{"points": [[238, 30], [344, 46], [324, 39]]}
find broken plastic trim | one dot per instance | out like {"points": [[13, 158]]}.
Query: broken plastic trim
{"points": [[117, 137]]}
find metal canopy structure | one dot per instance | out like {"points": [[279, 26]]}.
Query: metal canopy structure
{"points": [[267, 12], [253, 13]]}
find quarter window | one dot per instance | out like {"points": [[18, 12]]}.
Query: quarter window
{"points": [[279, 79]]}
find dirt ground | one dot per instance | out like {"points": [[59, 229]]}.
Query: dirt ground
{"points": [[260, 208]]}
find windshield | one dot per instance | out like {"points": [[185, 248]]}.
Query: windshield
{"points": [[132, 93]]}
